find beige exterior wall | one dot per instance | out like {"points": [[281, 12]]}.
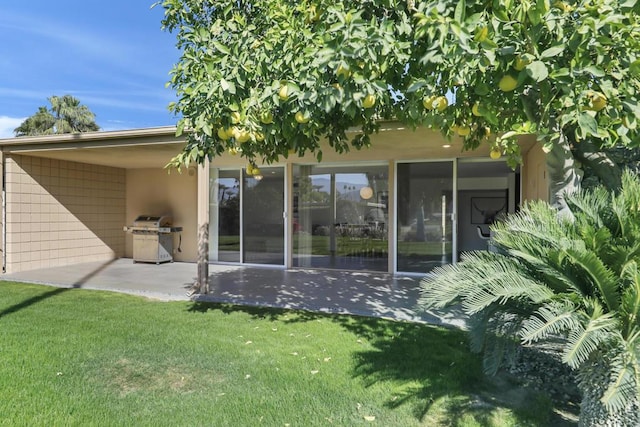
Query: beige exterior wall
{"points": [[157, 192], [535, 184], [391, 144], [61, 212]]}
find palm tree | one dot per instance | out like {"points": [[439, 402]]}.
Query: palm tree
{"points": [[573, 282], [66, 115], [41, 123]]}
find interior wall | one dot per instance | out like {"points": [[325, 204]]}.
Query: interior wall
{"points": [[61, 213], [473, 215], [158, 192]]}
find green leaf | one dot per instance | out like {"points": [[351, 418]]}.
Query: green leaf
{"points": [[537, 71], [595, 71], [507, 50], [180, 127], [416, 85], [499, 12], [588, 124], [634, 68], [561, 72], [222, 48], [481, 89], [459, 14], [553, 51], [583, 342]]}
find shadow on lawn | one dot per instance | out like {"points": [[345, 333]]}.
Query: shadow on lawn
{"points": [[429, 367], [49, 294]]}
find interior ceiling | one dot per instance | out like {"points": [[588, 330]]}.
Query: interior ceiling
{"points": [[127, 157]]}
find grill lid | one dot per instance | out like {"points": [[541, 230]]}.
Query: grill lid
{"points": [[150, 221], [146, 224]]}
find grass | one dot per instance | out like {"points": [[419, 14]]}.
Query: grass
{"points": [[349, 246], [78, 357]]}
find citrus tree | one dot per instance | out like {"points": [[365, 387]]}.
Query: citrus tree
{"points": [[272, 78]]}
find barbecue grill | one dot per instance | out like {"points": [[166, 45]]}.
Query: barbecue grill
{"points": [[153, 238]]}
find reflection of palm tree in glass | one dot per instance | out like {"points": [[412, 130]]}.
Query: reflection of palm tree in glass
{"points": [[221, 192]]}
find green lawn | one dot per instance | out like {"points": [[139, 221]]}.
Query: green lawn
{"points": [[77, 357]]}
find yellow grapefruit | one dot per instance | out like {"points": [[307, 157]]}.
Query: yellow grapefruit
{"points": [[475, 110], [369, 101], [224, 134], [301, 118], [266, 117], [464, 130], [343, 71], [441, 103], [241, 135], [598, 101], [427, 102], [507, 83], [283, 93]]}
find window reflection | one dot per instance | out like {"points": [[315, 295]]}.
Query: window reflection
{"points": [[341, 217], [263, 222], [425, 205]]}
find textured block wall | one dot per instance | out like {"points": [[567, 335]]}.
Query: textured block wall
{"points": [[61, 213]]}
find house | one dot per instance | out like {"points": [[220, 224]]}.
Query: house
{"points": [[410, 202]]}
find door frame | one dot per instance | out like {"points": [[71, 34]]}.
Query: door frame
{"points": [[241, 175]]}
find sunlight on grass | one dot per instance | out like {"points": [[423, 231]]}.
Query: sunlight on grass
{"points": [[76, 357]]}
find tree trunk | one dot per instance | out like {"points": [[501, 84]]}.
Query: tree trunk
{"points": [[609, 174], [564, 175], [203, 259]]}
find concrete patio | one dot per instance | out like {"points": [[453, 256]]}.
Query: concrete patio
{"points": [[327, 291]]}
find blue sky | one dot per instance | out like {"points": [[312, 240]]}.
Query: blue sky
{"points": [[111, 55]]}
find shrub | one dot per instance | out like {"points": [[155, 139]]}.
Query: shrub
{"points": [[574, 281]]}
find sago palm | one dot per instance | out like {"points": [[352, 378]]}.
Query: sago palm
{"points": [[573, 281]]}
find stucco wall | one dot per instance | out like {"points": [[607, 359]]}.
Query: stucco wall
{"points": [[157, 192], [61, 212], [535, 184]]}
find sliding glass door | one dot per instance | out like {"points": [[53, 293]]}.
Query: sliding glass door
{"points": [[246, 216], [224, 208], [262, 217], [341, 217], [425, 200]]}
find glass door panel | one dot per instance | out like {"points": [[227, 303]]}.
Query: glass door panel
{"points": [[313, 217], [262, 217], [224, 232], [425, 208], [340, 217]]}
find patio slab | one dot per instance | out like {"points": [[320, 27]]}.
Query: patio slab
{"points": [[327, 291]]}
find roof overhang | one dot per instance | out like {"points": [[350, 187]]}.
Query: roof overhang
{"points": [[137, 148], [155, 147]]}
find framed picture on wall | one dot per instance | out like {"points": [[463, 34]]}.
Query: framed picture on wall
{"points": [[485, 210]]}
